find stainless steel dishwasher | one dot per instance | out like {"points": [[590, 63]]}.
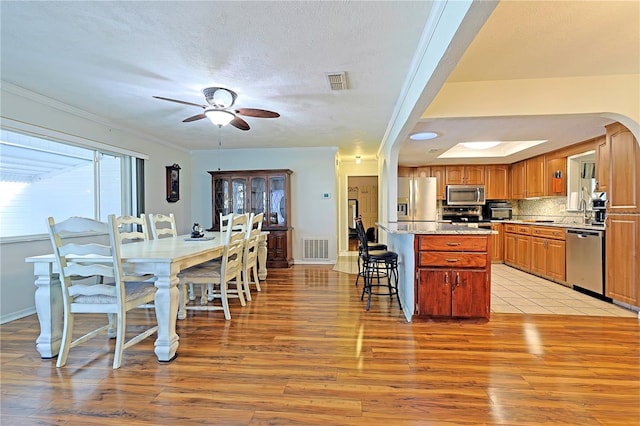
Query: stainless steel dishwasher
{"points": [[585, 260]]}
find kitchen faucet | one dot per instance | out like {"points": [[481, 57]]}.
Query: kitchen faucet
{"points": [[586, 215]]}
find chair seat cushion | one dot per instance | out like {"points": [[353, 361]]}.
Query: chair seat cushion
{"points": [[383, 255], [205, 270], [133, 290]]}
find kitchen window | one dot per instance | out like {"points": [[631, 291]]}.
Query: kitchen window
{"points": [[41, 176]]}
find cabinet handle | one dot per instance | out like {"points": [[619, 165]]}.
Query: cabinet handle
{"points": [[452, 260], [453, 244], [446, 278], [457, 279]]}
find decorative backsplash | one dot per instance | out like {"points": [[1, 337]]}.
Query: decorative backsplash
{"points": [[552, 208]]}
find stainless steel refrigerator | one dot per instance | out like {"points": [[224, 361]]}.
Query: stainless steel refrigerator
{"points": [[417, 199]]}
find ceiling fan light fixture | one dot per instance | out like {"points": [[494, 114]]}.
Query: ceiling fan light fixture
{"points": [[219, 97], [219, 117]]}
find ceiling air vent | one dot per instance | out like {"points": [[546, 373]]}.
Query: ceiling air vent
{"points": [[337, 80]]}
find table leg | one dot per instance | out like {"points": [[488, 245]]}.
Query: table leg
{"points": [[166, 304], [48, 300], [262, 259]]}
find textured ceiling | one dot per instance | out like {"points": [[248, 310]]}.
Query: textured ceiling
{"points": [[110, 58]]}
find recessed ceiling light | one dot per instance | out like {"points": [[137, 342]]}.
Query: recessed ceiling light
{"points": [[479, 145], [423, 136]]}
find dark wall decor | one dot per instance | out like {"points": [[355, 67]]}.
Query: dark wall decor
{"points": [[173, 183]]}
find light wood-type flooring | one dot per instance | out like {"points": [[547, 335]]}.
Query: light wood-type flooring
{"points": [[305, 352]]}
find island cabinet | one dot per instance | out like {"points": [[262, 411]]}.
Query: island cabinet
{"points": [[548, 257], [258, 191], [453, 278]]}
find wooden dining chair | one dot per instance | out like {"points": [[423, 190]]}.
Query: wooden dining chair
{"points": [[132, 228], [213, 277], [116, 296], [162, 226], [250, 256]]}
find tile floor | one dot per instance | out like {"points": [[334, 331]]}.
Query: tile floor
{"points": [[514, 291]]}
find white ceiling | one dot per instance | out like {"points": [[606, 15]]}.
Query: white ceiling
{"points": [[110, 58]]}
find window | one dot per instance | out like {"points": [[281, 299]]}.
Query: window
{"points": [[42, 177]]}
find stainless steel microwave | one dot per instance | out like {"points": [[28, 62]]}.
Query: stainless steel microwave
{"points": [[465, 195]]}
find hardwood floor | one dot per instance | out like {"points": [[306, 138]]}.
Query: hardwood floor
{"points": [[304, 351]]}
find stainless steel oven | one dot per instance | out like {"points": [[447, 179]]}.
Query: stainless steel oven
{"points": [[465, 195]]}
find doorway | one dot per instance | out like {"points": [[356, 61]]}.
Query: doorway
{"points": [[362, 200]]}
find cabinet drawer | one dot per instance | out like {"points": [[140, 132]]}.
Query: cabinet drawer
{"points": [[549, 232], [524, 229], [450, 259], [453, 243], [510, 228]]}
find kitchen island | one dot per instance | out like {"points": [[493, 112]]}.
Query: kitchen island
{"points": [[444, 269]]}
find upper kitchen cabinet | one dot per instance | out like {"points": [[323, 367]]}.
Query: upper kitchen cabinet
{"points": [[518, 180], [465, 175], [602, 164], [258, 191], [623, 188], [535, 176], [556, 174], [439, 172], [497, 182], [528, 178]]}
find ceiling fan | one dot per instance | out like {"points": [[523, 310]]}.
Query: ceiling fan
{"points": [[219, 101]]}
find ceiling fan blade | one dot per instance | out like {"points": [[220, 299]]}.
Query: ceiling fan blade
{"points": [[180, 102], [260, 113], [194, 118], [239, 123]]}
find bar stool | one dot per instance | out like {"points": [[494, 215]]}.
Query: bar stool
{"points": [[377, 266], [371, 245]]}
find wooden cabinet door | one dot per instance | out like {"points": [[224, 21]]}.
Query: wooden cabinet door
{"points": [[539, 256], [497, 243], [622, 239], [535, 176], [474, 175], [624, 179], [497, 182], [454, 175], [518, 180], [556, 176], [439, 172], [556, 260], [434, 292], [470, 298], [602, 165], [523, 252], [510, 247]]}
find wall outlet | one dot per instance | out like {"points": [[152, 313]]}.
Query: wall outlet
{"points": [[326, 195]]}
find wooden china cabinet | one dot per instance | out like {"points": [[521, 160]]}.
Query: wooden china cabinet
{"points": [[258, 191]]}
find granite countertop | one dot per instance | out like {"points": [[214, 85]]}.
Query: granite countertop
{"points": [[433, 228], [554, 224]]}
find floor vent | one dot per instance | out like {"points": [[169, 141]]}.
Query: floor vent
{"points": [[315, 249]]}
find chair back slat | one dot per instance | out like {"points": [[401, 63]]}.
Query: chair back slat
{"points": [[162, 226], [132, 228]]}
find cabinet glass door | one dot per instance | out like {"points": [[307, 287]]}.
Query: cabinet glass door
{"points": [[238, 189], [258, 195], [220, 201], [277, 201]]}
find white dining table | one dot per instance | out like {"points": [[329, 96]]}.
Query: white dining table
{"points": [[164, 258]]}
